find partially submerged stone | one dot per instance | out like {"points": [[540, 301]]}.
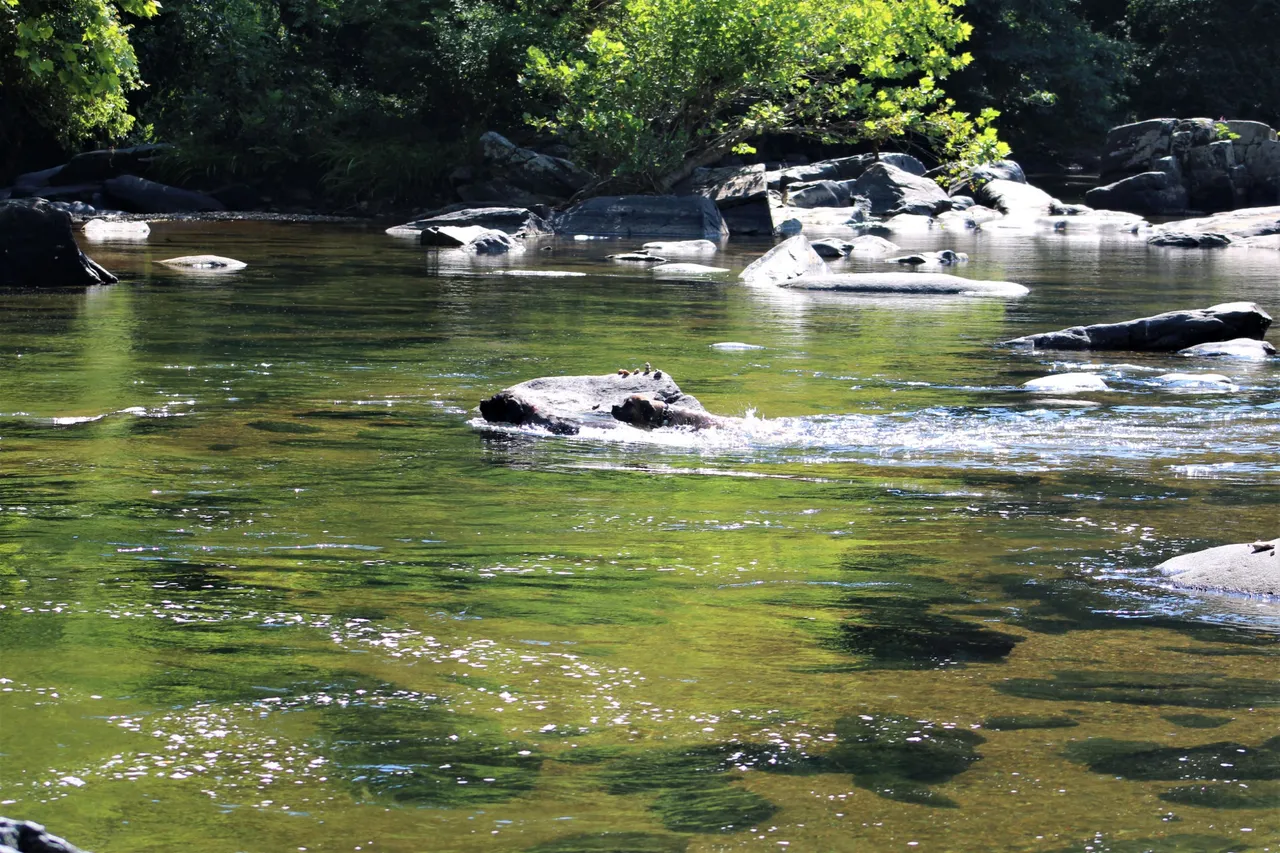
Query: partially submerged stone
{"points": [[1013, 198], [687, 269], [204, 263], [38, 248], [473, 238], [945, 257], [734, 346], [1168, 332], [906, 283], [637, 258], [1241, 348], [788, 260], [102, 230], [1196, 381], [565, 404], [1221, 229], [871, 246], [516, 221], [1066, 383], [1244, 569], [682, 247], [831, 248]]}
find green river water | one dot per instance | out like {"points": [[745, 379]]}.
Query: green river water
{"points": [[267, 584]]}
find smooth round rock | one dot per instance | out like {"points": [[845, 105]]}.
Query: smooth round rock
{"points": [[1066, 383], [1245, 569], [1241, 348], [1197, 381], [205, 263]]}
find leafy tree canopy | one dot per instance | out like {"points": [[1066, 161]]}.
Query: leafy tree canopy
{"points": [[663, 86]]}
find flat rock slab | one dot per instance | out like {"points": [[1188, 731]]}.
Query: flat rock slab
{"points": [[790, 259], [204, 263], [517, 221], [1168, 332], [1247, 349], [1237, 224], [1066, 383], [674, 217], [687, 269], [565, 404], [1246, 569], [937, 284], [682, 247]]}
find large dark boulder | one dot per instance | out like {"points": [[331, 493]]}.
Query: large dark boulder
{"points": [[820, 194], [742, 195], [541, 177], [138, 195], [687, 217], [1147, 193], [26, 184], [1134, 148], [892, 191], [38, 248], [844, 168], [1168, 332], [26, 836], [98, 166], [565, 404]]}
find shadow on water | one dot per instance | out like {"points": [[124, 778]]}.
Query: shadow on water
{"points": [[1147, 688]]}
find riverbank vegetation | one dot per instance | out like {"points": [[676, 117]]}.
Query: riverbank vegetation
{"points": [[332, 104]]}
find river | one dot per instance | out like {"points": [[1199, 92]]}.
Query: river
{"points": [[269, 584]]}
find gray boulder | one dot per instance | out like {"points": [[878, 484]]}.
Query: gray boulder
{"points": [[669, 217], [1147, 193], [1247, 349], [1245, 569], [871, 246], [472, 238], [517, 221], [38, 248], [565, 404], [820, 194], [892, 191], [1220, 229], [906, 283], [1015, 199], [26, 836], [539, 175], [1168, 332], [1134, 148], [138, 195], [843, 169], [1182, 240], [741, 194], [790, 259]]}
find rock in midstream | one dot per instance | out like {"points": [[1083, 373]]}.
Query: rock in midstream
{"points": [[1245, 569], [565, 404], [1168, 332], [906, 283]]}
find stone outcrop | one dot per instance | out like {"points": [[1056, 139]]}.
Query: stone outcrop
{"points": [[790, 259], [523, 176], [1015, 199], [26, 836], [38, 248], [1219, 166], [892, 191], [1168, 332], [138, 195], [471, 238], [842, 169], [1244, 569], [740, 193], [565, 404], [668, 217], [1244, 227], [907, 284]]}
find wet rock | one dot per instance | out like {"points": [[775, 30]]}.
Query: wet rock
{"points": [[1245, 569], [471, 238], [204, 263], [828, 219], [71, 194], [1190, 241], [831, 248], [871, 246], [1196, 382], [565, 404], [1169, 332], [945, 257], [1246, 349], [102, 230], [892, 190], [788, 227], [1148, 193], [637, 258], [936, 284], [908, 223], [516, 221], [899, 637], [673, 217], [741, 194], [820, 194], [38, 248], [1221, 229], [1067, 383], [1013, 198], [643, 410], [788, 260], [138, 195], [687, 269], [25, 836], [683, 247]]}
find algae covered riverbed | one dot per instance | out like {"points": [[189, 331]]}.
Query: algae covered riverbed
{"points": [[268, 585]]}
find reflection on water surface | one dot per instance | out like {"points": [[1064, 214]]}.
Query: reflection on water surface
{"points": [[267, 584]]}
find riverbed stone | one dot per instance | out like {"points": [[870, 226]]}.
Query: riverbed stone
{"points": [[1014, 198], [670, 217], [1246, 349], [1147, 193], [565, 404], [1168, 332], [905, 283], [204, 263], [1244, 569], [682, 247], [892, 190], [27, 836], [38, 248], [1067, 383], [139, 195], [788, 260], [871, 246]]}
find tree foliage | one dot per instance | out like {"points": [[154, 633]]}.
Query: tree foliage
{"points": [[662, 86], [67, 65]]}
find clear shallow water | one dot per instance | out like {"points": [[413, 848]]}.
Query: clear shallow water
{"points": [[268, 585]]}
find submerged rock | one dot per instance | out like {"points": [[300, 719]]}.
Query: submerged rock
{"points": [[204, 263], [788, 260], [1168, 332], [1242, 348], [38, 248], [565, 404], [1067, 383], [1246, 569], [936, 284]]}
